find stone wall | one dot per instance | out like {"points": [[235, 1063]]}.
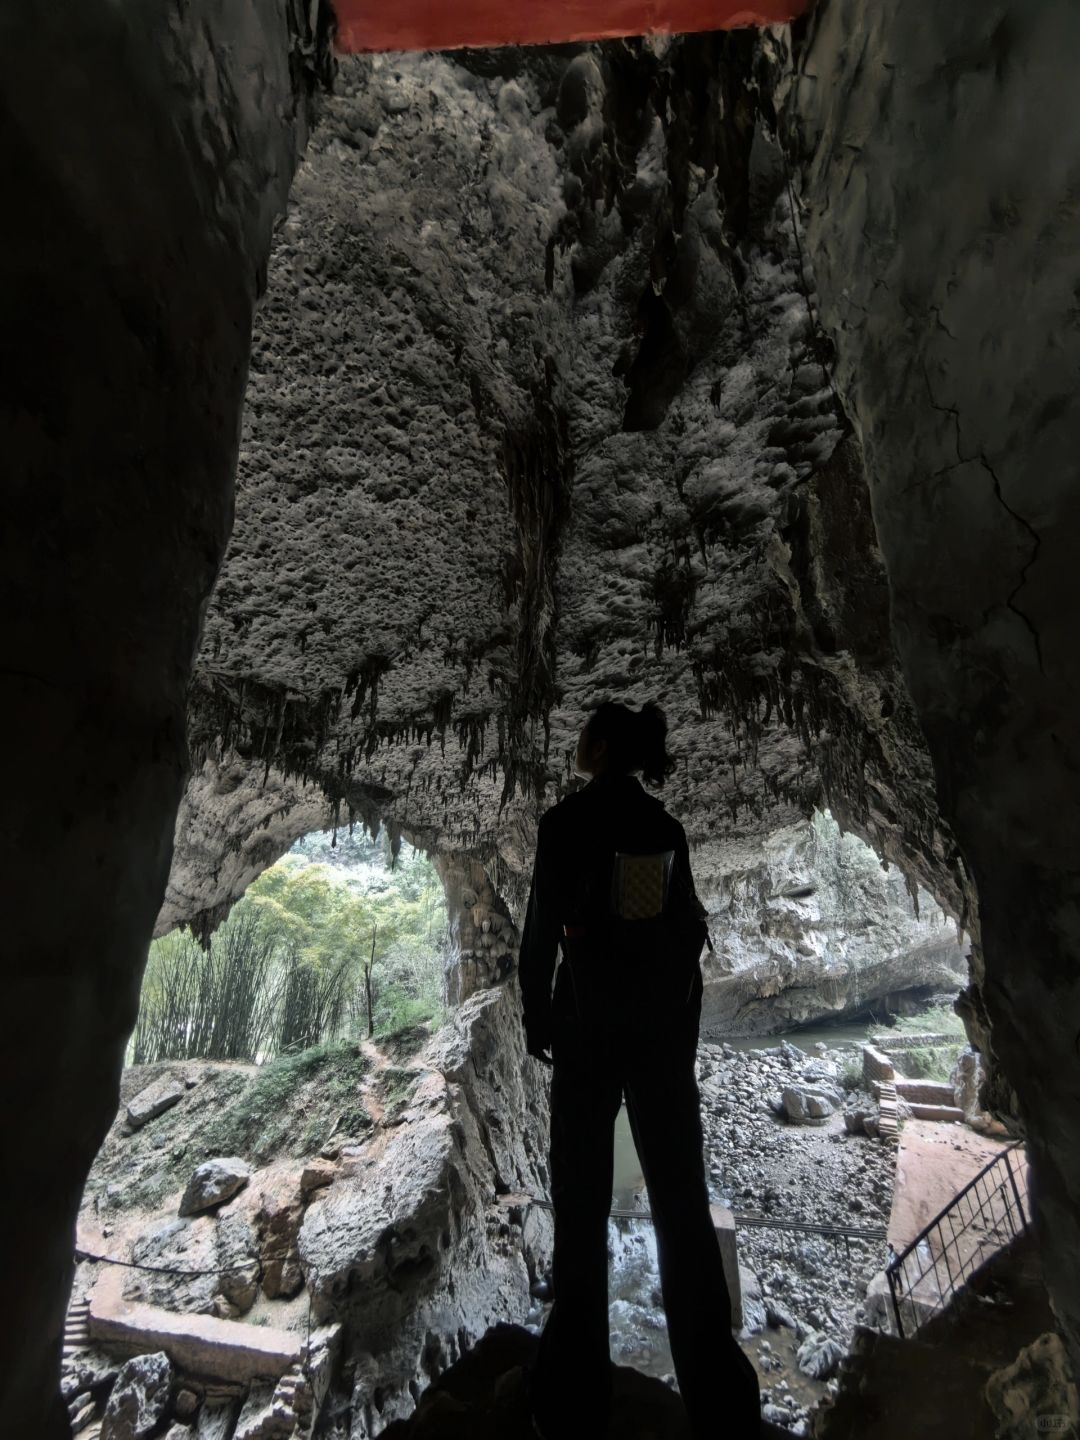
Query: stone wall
{"points": [[877, 1067]]}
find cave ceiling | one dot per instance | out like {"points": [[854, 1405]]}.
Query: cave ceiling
{"points": [[538, 415]]}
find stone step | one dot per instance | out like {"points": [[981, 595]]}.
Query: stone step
{"points": [[945, 1114], [224, 1350], [924, 1092], [888, 1127]]}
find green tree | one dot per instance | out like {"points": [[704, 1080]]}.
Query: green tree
{"points": [[311, 951]]}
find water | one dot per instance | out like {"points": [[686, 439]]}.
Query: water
{"points": [[629, 1181], [836, 1037]]}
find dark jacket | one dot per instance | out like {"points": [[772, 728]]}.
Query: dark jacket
{"points": [[601, 981]]}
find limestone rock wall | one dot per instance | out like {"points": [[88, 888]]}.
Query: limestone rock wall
{"points": [[385, 1193], [940, 169], [415, 1250], [539, 415], [812, 926], [483, 937], [147, 151], [552, 399]]}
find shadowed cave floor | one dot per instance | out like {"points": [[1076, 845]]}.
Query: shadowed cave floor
{"points": [[483, 1397]]}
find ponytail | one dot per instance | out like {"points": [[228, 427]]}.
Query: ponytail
{"points": [[636, 740], [656, 763]]}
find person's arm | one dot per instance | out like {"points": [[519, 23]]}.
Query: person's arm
{"points": [[539, 948], [687, 892]]}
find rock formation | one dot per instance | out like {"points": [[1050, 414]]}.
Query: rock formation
{"points": [[738, 372], [947, 270], [483, 937], [538, 414], [148, 170], [416, 1237], [811, 926]]}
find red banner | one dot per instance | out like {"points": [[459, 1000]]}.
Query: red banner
{"points": [[450, 24]]}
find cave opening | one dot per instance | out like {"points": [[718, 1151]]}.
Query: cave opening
{"points": [[259, 1085], [374, 425]]}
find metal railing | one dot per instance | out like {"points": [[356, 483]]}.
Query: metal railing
{"points": [[989, 1212]]}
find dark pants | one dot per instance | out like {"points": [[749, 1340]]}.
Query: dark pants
{"points": [[572, 1383]]}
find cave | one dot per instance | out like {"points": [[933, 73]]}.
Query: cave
{"points": [[372, 415]]}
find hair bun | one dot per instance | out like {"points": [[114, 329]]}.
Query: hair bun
{"points": [[636, 739]]}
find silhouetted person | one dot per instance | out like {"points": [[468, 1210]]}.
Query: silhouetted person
{"points": [[612, 888]]}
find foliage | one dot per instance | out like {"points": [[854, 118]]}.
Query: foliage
{"points": [[928, 1062], [312, 952], [938, 1020], [851, 1074], [274, 1114], [216, 1003], [397, 1085]]}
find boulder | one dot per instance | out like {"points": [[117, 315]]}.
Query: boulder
{"points": [[266, 1415], [809, 1104], [819, 1356], [213, 1183], [238, 1268], [753, 1307], [277, 1223], [202, 1266], [81, 1413], [216, 1420], [187, 1404], [779, 1316], [317, 1175], [139, 1398], [88, 1370], [154, 1100]]}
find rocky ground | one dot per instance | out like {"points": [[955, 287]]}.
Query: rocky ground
{"points": [[811, 1287], [379, 1188], [802, 1293], [365, 1189]]}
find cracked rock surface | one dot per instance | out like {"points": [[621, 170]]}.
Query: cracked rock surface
{"points": [[948, 272]]}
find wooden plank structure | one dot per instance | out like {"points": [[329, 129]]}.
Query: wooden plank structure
{"points": [[371, 25]]}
